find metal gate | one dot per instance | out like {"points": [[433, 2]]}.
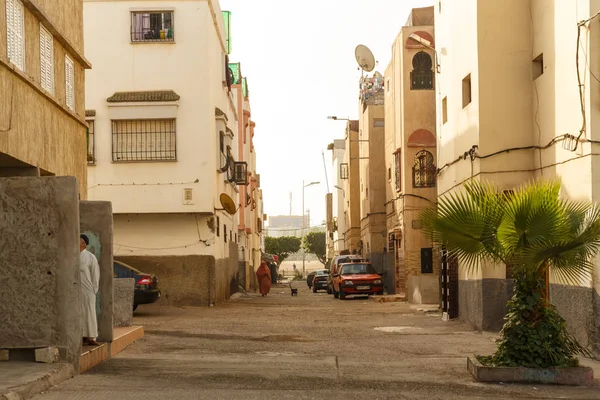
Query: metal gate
{"points": [[384, 265], [449, 285]]}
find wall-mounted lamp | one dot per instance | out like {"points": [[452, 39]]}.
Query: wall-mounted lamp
{"points": [[426, 43]]}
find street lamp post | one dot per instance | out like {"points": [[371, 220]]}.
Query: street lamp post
{"points": [[304, 225]]}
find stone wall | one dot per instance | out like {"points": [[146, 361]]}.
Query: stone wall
{"points": [[226, 276], [96, 221], [123, 301], [482, 303], [39, 272], [580, 307], [182, 280]]}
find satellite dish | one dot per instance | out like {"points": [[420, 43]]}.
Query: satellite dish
{"points": [[364, 58], [227, 203]]}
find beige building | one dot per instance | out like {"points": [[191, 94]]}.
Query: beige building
{"points": [[42, 111], [372, 166], [410, 157], [510, 111], [165, 142], [336, 220], [349, 174]]}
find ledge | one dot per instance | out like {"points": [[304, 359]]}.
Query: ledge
{"points": [[553, 375]]}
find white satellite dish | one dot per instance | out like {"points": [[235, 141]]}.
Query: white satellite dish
{"points": [[364, 58]]}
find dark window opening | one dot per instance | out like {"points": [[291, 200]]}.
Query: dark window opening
{"points": [[466, 91], [538, 66], [444, 110], [156, 26], [424, 170], [225, 233], [218, 226], [421, 77], [398, 168], [91, 155]]}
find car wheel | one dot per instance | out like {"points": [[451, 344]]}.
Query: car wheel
{"points": [[314, 289], [335, 294], [328, 290], [342, 294], [134, 306]]}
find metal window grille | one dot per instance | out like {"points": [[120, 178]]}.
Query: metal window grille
{"points": [[344, 171], [421, 77], [155, 26], [424, 170], [91, 155], [144, 140]]}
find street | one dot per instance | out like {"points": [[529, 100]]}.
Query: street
{"points": [[306, 347]]}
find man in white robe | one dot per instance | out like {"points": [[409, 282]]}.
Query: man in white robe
{"points": [[89, 272]]}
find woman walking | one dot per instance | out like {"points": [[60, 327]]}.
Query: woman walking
{"points": [[263, 274]]}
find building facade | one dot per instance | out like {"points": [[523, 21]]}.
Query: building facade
{"points": [[518, 105], [410, 157], [42, 112], [349, 173], [336, 220], [164, 146]]}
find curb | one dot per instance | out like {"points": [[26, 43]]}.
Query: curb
{"points": [[62, 372]]}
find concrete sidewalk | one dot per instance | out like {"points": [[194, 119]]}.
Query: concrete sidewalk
{"points": [[22, 380]]}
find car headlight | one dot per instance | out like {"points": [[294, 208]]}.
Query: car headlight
{"points": [[350, 283], [377, 282]]}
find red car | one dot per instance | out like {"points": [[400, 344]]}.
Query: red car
{"points": [[357, 279]]}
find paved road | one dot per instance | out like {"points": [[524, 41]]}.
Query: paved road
{"points": [[306, 347]]}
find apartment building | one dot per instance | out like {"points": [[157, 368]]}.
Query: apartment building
{"points": [[163, 142], [517, 104], [336, 220], [251, 212], [349, 174], [372, 166], [410, 157], [42, 112]]}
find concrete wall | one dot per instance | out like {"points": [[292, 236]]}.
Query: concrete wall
{"points": [[123, 303], [40, 302], [54, 139], [352, 187], [96, 221]]}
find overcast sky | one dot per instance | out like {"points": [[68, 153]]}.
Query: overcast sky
{"points": [[298, 57]]}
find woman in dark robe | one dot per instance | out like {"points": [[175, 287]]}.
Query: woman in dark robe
{"points": [[263, 273]]}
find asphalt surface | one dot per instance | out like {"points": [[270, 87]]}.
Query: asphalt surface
{"points": [[307, 347]]}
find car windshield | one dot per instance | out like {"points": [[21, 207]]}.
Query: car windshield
{"points": [[350, 269], [322, 272]]}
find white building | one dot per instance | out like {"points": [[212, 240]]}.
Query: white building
{"points": [[337, 226], [164, 127]]}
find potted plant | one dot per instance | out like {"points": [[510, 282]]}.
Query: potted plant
{"points": [[531, 230]]}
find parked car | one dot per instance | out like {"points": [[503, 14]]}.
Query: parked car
{"points": [[146, 285], [309, 279], [356, 279], [335, 265], [320, 280]]}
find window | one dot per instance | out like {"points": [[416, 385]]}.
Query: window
{"points": [[46, 60], [387, 85], [15, 33], [225, 233], [538, 66], [91, 156], [144, 140], [378, 123], [444, 110], [466, 91], [421, 77], [424, 170], [70, 83], [218, 226], [344, 171], [152, 26], [398, 169], [222, 150], [390, 174]]}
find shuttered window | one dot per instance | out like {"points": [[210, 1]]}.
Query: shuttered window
{"points": [[70, 83], [46, 60], [15, 33]]}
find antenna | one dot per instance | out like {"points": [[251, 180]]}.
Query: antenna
{"points": [[364, 58]]}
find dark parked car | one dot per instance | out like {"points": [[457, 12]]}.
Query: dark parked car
{"points": [[320, 280], [309, 279], [146, 285]]}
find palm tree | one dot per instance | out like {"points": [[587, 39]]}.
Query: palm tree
{"points": [[530, 231]]}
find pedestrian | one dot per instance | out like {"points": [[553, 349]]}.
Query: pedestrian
{"points": [[264, 278], [294, 266], [89, 273]]}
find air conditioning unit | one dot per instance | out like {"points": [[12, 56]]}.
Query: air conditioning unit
{"points": [[188, 196]]}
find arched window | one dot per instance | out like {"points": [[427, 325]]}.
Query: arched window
{"points": [[421, 77], [424, 170]]}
